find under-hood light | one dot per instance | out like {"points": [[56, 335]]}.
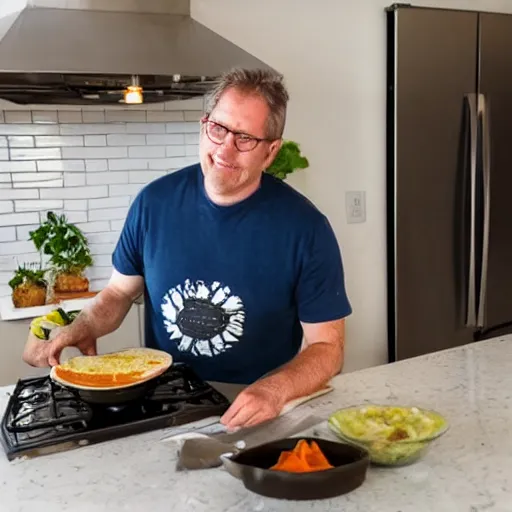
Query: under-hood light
{"points": [[133, 93]]}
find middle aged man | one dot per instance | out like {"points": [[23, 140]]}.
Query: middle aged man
{"points": [[236, 267]]}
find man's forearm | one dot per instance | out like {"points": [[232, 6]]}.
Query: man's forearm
{"points": [[104, 314], [308, 371]]}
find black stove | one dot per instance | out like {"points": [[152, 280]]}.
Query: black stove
{"points": [[44, 417]]}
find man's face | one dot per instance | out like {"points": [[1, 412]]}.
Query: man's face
{"points": [[232, 175]]}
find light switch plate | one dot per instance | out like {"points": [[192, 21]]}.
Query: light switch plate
{"points": [[355, 202]]}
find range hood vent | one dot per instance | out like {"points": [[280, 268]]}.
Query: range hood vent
{"points": [[89, 57]]}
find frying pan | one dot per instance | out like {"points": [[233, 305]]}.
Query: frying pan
{"points": [[251, 466], [115, 395]]}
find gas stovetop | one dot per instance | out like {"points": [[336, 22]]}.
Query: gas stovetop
{"points": [[44, 417]]}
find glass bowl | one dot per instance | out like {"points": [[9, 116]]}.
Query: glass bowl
{"points": [[393, 435]]}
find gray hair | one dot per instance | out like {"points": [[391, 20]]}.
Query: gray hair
{"points": [[265, 83]]}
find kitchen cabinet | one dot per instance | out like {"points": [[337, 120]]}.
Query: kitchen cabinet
{"points": [[13, 335]]}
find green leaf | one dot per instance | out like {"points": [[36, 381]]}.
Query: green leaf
{"points": [[288, 159]]}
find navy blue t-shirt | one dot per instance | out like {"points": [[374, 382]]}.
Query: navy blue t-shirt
{"points": [[226, 287]]}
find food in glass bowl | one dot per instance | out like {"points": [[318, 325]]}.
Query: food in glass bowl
{"points": [[392, 435]]}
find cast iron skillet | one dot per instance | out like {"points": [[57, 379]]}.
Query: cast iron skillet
{"points": [[251, 466]]}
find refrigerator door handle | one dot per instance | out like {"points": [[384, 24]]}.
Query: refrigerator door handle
{"points": [[472, 106], [483, 115]]}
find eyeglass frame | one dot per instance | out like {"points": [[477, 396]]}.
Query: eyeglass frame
{"points": [[206, 119]]}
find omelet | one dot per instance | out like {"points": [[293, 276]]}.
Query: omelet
{"points": [[112, 370]]}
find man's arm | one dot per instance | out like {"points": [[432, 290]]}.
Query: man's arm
{"points": [[308, 371], [103, 315]]}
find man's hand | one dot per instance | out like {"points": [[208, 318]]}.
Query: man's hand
{"points": [[257, 403], [42, 353]]}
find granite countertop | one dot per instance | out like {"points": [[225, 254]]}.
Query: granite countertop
{"points": [[468, 469]]}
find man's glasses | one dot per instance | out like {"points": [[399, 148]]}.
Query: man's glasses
{"points": [[217, 133]]}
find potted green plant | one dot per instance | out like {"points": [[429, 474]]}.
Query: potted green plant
{"points": [[29, 287], [68, 252], [287, 160]]}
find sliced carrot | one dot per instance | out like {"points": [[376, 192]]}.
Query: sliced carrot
{"points": [[303, 458]]}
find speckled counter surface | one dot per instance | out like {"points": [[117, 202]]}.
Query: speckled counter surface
{"points": [[468, 469]]}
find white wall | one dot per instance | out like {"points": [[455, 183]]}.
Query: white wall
{"points": [[333, 53]]}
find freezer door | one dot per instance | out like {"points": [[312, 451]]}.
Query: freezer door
{"points": [[432, 66], [496, 87]]}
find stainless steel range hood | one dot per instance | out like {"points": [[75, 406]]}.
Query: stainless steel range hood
{"points": [[78, 56]]}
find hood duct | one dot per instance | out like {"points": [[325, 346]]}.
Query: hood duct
{"points": [[62, 56]]}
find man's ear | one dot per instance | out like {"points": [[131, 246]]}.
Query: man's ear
{"points": [[274, 148]]}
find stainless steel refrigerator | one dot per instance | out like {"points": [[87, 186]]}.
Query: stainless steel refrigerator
{"points": [[449, 178]]}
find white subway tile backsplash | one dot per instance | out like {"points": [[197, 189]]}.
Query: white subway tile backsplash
{"points": [[164, 116], [145, 128], [108, 214], [193, 115], [93, 117], [70, 116], [21, 141], [35, 153], [192, 150], [165, 140], [28, 129], [75, 192], [44, 116], [102, 261], [98, 272], [35, 176], [90, 129], [122, 190], [175, 151], [161, 164], [4, 154], [117, 225], [95, 140], [106, 152], [144, 176], [103, 238], [96, 165], [126, 116], [192, 138], [190, 104], [97, 249], [94, 227], [18, 219], [76, 217], [23, 232], [8, 234], [22, 166], [10, 193], [18, 116], [146, 151], [6, 206], [187, 127], [5, 178], [37, 205], [51, 141], [14, 248], [75, 205], [74, 179], [61, 165], [111, 202], [126, 164], [39, 184], [3, 141], [107, 178], [126, 140]]}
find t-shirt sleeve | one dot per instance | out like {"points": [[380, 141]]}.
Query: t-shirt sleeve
{"points": [[320, 293], [128, 254]]}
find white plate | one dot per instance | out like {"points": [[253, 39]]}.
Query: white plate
{"points": [[150, 375]]}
